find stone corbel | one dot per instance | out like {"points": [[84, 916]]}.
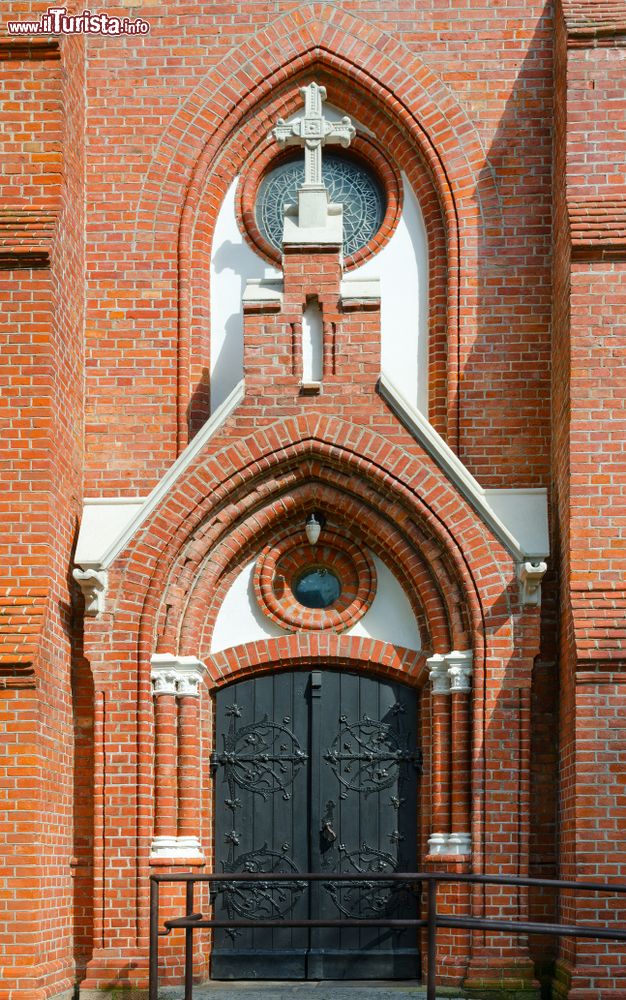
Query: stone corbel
{"points": [[93, 584], [530, 575]]}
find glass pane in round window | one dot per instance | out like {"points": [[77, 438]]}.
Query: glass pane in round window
{"points": [[349, 184], [317, 588]]}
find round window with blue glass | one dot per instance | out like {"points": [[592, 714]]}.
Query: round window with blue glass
{"points": [[317, 587], [349, 183]]}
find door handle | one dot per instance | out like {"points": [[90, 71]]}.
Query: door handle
{"points": [[327, 831]]}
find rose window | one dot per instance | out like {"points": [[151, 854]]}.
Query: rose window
{"points": [[349, 183]]}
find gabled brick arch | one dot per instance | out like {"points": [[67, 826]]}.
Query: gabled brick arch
{"points": [[206, 499], [193, 611], [202, 510], [317, 38]]}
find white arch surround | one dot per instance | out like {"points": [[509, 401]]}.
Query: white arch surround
{"points": [[233, 264], [401, 266], [390, 618]]}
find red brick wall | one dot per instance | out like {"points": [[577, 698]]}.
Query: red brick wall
{"points": [[480, 91], [499, 73], [589, 369], [42, 456]]}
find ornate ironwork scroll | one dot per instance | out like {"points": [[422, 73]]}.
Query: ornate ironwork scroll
{"points": [[259, 900], [264, 757], [367, 756], [369, 900]]}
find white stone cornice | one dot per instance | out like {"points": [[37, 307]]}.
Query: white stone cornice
{"points": [[93, 584], [438, 673], [530, 575], [460, 670], [178, 675], [517, 517]]}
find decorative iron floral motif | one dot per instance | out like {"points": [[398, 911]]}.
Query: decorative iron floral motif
{"points": [[259, 900], [368, 756], [368, 900], [264, 757]]}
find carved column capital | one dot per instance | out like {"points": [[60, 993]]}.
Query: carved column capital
{"points": [[438, 673], [163, 681], [460, 670], [178, 675]]}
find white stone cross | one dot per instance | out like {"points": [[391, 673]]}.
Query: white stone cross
{"points": [[313, 131]]}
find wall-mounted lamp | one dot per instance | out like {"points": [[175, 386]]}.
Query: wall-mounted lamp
{"points": [[313, 526]]}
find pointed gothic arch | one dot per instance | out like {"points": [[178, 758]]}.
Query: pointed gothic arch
{"points": [[199, 146]]}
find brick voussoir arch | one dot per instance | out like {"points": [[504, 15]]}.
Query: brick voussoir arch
{"points": [[210, 485], [426, 590], [304, 649], [287, 48]]}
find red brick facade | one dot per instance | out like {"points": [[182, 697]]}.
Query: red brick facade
{"points": [[507, 120]]}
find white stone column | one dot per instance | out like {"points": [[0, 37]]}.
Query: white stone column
{"points": [[440, 727], [460, 676], [176, 684]]}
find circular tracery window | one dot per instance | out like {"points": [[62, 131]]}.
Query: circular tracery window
{"points": [[325, 586], [349, 183]]}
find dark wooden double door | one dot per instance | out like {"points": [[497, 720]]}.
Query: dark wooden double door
{"points": [[316, 771]]}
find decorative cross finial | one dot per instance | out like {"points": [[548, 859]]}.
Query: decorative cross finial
{"points": [[313, 131]]}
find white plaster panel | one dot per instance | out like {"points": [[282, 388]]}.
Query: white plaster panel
{"points": [[103, 521], [390, 617], [240, 618], [312, 337], [525, 513], [402, 266], [233, 264]]}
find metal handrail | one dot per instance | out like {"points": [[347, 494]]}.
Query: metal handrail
{"points": [[192, 921]]}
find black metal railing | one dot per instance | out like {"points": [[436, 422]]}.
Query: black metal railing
{"points": [[192, 921]]}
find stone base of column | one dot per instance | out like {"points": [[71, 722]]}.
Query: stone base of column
{"points": [[113, 972], [460, 843], [573, 982], [449, 843], [175, 848], [438, 843], [502, 978]]}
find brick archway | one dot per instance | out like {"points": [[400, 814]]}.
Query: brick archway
{"points": [[345, 652], [230, 492]]}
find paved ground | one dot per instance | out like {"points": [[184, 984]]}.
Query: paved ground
{"points": [[308, 991]]}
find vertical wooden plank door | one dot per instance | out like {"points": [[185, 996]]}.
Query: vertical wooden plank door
{"points": [[315, 771]]}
